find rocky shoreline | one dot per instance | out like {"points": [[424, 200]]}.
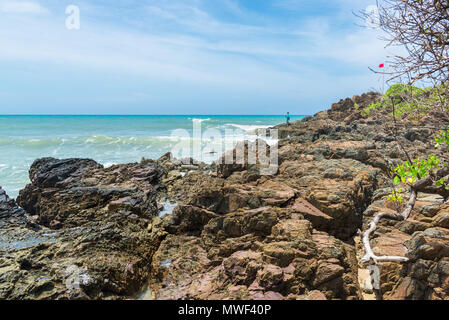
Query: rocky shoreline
{"points": [[82, 231]]}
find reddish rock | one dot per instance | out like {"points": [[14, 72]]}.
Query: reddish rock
{"points": [[319, 219], [327, 272]]}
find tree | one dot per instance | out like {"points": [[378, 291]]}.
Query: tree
{"points": [[422, 28]]}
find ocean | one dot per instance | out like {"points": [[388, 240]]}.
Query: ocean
{"points": [[113, 140]]}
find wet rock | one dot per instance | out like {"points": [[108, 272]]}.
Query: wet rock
{"points": [[83, 233], [48, 172], [71, 196]]}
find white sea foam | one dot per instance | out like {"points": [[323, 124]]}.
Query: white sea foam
{"points": [[200, 120], [109, 164], [248, 128]]}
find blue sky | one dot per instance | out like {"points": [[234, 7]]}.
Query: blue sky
{"points": [[184, 56]]}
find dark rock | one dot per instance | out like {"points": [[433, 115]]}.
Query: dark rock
{"points": [[97, 251]]}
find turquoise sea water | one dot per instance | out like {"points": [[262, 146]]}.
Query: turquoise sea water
{"points": [[108, 139]]}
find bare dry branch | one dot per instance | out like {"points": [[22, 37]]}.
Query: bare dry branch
{"points": [[422, 28]]}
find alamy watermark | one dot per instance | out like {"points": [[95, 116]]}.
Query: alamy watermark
{"points": [[372, 14], [231, 147], [73, 21], [375, 276], [75, 277]]}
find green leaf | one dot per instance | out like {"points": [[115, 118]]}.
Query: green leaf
{"points": [[396, 180]]}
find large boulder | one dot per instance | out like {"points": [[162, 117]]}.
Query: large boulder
{"points": [[84, 233], [69, 193]]}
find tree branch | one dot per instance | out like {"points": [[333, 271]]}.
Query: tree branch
{"points": [[418, 186]]}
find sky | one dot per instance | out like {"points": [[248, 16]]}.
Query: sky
{"points": [[185, 56]]}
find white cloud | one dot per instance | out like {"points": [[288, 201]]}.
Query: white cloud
{"points": [[184, 44], [22, 7], [181, 51]]}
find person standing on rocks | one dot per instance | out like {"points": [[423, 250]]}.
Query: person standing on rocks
{"points": [[288, 118]]}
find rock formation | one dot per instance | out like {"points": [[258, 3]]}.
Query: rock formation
{"points": [[81, 231]]}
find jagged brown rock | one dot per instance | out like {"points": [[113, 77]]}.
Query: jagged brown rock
{"points": [[235, 234], [85, 233]]}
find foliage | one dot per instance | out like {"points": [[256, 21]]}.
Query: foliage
{"points": [[373, 106], [396, 196], [442, 137], [410, 172], [407, 100]]}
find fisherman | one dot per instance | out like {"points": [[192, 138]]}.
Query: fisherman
{"points": [[288, 118], [3, 196]]}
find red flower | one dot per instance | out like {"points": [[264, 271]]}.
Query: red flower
{"points": [[381, 65]]}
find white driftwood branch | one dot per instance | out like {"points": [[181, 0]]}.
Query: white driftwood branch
{"points": [[369, 254]]}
